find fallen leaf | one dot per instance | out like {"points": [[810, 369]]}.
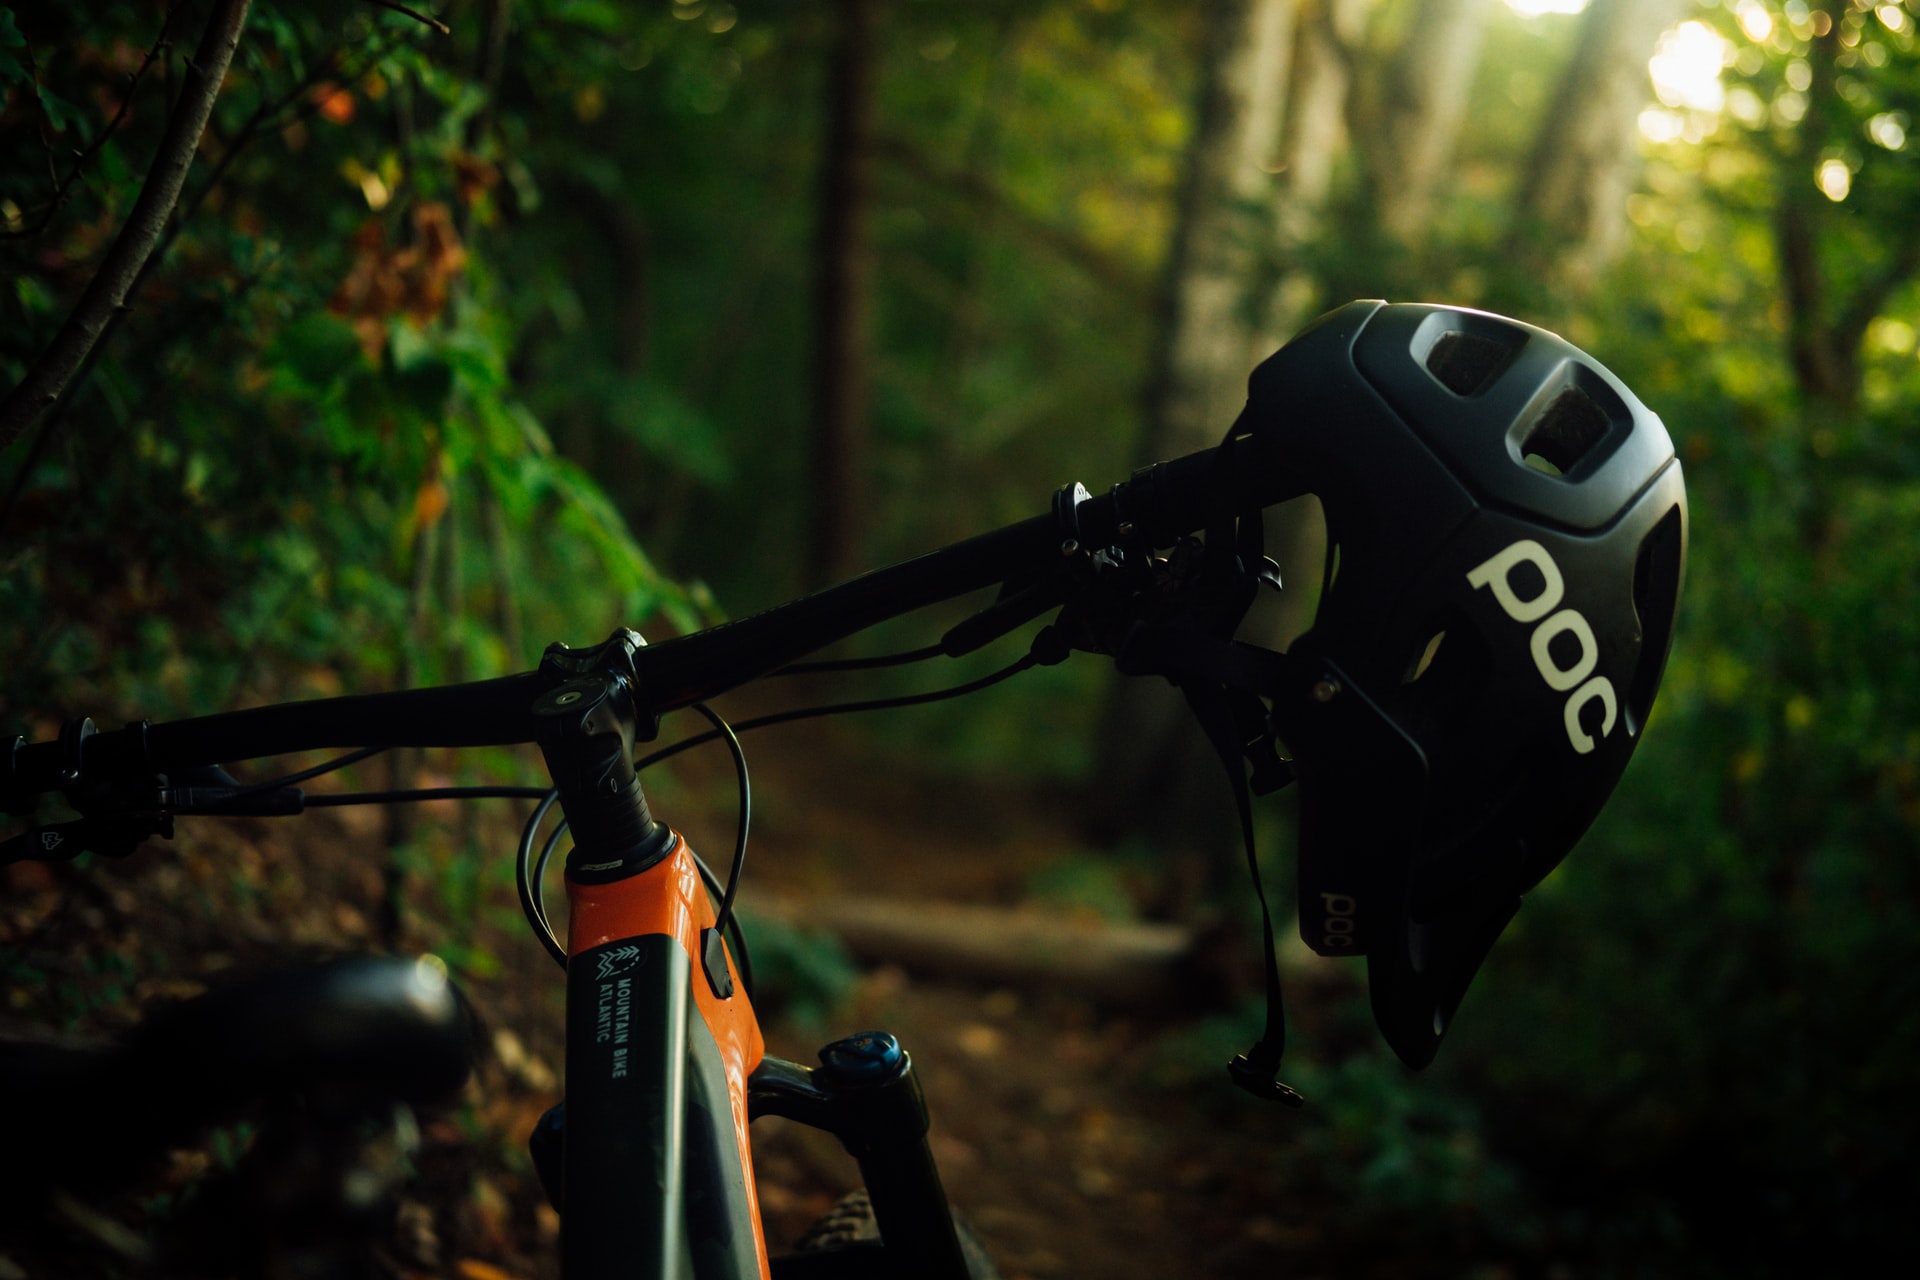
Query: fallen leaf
{"points": [[474, 1269]]}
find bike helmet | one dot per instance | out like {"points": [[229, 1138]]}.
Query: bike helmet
{"points": [[1507, 528]]}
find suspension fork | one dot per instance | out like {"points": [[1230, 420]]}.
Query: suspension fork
{"points": [[655, 1162], [866, 1093]]}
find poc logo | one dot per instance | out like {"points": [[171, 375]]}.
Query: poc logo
{"points": [[1336, 931], [1496, 575]]}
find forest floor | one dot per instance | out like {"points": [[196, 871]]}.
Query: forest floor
{"points": [[1079, 1140]]}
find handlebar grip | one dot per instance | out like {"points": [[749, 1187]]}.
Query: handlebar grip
{"points": [[52, 843], [112, 836]]}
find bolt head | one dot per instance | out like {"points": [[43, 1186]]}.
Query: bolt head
{"points": [[1324, 690]]}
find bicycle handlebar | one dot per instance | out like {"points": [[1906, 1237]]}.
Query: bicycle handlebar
{"points": [[1159, 503], [1156, 505]]}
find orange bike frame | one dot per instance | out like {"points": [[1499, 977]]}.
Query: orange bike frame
{"points": [[658, 1160]]}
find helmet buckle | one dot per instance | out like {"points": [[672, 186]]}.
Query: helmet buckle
{"points": [[1262, 1082]]}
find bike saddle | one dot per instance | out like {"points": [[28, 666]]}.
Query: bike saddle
{"points": [[359, 1031]]}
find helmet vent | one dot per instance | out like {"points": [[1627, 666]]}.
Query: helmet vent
{"points": [[1656, 599], [1425, 660], [1566, 433], [1445, 673], [1468, 363]]}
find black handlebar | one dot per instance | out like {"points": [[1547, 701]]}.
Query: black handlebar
{"points": [[1154, 507]]}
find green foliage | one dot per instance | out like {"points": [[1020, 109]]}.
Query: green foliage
{"points": [[800, 975], [1386, 1151], [1085, 883], [1396, 1165], [305, 449], [420, 374], [1704, 1008]]}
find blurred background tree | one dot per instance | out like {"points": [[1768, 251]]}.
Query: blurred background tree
{"points": [[446, 328]]}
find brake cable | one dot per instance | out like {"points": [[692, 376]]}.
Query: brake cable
{"points": [[725, 913], [863, 664], [1242, 557], [1014, 668], [530, 870], [1193, 648]]}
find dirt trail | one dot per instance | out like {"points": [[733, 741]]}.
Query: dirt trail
{"points": [[1051, 1128], [1052, 1131]]}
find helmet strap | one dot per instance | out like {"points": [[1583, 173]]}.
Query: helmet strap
{"points": [[1257, 1070], [1225, 684], [1235, 555]]}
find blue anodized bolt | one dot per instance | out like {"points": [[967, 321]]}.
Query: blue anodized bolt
{"points": [[867, 1057]]}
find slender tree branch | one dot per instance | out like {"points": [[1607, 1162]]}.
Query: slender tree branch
{"points": [[256, 124], [972, 189], [1825, 365], [58, 199], [842, 297], [415, 14], [46, 121], [159, 410], [266, 115], [106, 292], [490, 64]]}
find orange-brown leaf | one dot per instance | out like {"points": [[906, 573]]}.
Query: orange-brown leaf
{"points": [[474, 1269], [333, 102]]}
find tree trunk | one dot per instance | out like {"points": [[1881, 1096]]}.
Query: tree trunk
{"points": [[1319, 85], [843, 302], [1127, 965], [1826, 326], [1825, 365], [1207, 347], [1411, 128], [1569, 218], [1201, 366]]}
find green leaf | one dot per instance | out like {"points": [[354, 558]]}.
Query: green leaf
{"points": [[12, 70], [672, 429], [61, 114], [317, 351], [33, 295]]}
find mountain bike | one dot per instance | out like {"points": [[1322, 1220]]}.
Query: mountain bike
{"points": [[1507, 529]]}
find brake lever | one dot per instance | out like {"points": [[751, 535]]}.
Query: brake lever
{"points": [[1005, 615], [116, 835]]}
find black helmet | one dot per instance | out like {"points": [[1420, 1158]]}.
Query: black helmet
{"points": [[1506, 526]]}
